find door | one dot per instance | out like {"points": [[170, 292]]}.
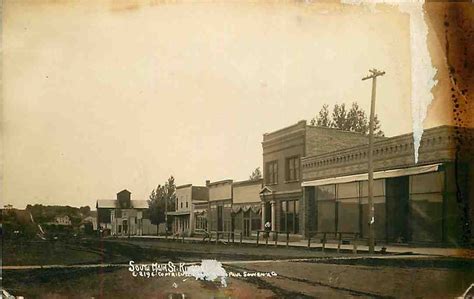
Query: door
{"points": [[397, 209], [246, 227], [219, 218], [268, 212], [125, 227]]}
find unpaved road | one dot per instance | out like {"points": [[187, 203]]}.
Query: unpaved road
{"points": [[308, 275]]}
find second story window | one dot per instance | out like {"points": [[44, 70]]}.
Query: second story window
{"points": [[186, 204], [181, 205], [293, 169], [272, 173]]}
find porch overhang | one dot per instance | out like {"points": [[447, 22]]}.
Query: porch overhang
{"points": [[179, 213], [377, 175]]}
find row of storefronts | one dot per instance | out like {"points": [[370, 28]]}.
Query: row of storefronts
{"points": [[315, 180]]}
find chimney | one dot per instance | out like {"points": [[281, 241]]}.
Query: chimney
{"points": [[208, 182]]}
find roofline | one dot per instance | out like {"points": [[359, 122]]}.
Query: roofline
{"points": [[183, 186], [124, 190], [388, 139], [285, 128], [249, 182], [340, 130], [220, 182]]}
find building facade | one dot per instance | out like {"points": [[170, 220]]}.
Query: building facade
{"points": [[220, 205], [282, 153], [122, 216], [429, 201], [188, 210], [247, 207]]}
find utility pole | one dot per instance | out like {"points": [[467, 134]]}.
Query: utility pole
{"points": [[166, 214], [374, 74]]}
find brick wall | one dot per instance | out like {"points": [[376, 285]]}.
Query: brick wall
{"points": [[320, 140]]}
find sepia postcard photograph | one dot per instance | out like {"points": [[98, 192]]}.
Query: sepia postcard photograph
{"points": [[236, 149]]}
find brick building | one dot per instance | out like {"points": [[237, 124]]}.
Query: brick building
{"points": [[425, 202], [282, 152]]}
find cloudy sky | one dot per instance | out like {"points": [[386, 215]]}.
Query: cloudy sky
{"points": [[102, 97]]}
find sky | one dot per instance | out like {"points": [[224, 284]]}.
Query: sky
{"points": [[100, 97]]}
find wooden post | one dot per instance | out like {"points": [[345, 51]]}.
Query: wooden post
{"points": [[266, 239], [339, 242], [276, 238], [354, 250], [287, 238], [324, 242], [258, 236], [375, 74], [217, 237], [241, 238], [309, 241]]}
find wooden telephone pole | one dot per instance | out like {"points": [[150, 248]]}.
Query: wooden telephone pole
{"points": [[374, 74]]}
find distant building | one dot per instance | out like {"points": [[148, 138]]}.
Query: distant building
{"points": [[63, 220], [185, 217], [123, 216], [282, 153], [92, 220], [247, 207], [220, 205]]}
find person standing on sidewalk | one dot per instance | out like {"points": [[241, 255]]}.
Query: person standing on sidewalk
{"points": [[268, 228]]}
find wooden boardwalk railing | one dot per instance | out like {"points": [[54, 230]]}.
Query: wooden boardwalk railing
{"points": [[337, 236]]}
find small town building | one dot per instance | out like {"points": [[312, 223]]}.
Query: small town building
{"points": [[122, 216], [90, 222], [247, 207], [189, 212], [220, 205], [282, 152], [63, 220], [425, 201]]}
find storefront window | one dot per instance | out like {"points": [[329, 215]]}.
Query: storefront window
{"points": [[348, 207], [325, 192], [426, 207], [289, 219], [379, 188], [238, 219], [256, 221], [326, 215], [379, 215]]}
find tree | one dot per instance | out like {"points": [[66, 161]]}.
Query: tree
{"points": [[377, 128], [162, 196], [355, 119], [339, 117], [323, 118], [85, 211], [256, 175]]}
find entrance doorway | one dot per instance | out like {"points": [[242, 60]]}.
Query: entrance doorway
{"points": [[268, 212], [219, 218], [125, 227], [397, 209]]}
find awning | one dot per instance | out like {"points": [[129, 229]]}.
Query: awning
{"points": [[179, 213], [377, 175], [200, 211]]}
